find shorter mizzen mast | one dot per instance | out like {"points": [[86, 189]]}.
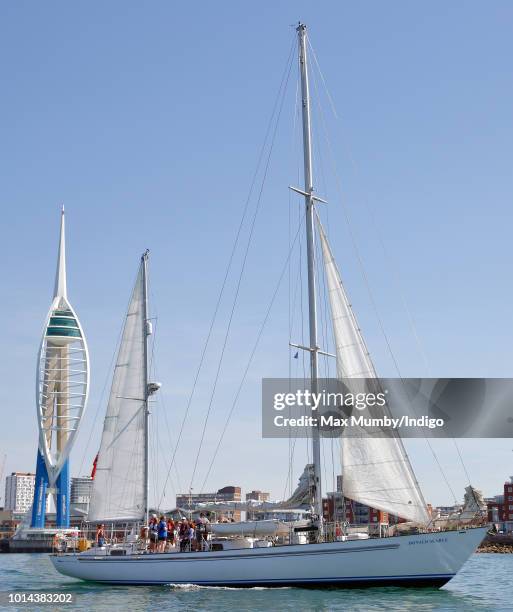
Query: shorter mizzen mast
{"points": [[147, 331], [121, 484]]}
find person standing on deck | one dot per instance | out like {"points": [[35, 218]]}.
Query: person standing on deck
{"points": [[100, 535], [192, 535], [162, 534], [170, 532], [153, 529], [183, 535], [201, 531]]}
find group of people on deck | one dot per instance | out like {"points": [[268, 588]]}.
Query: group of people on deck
{"points": [[164, 533], [190, 534]]}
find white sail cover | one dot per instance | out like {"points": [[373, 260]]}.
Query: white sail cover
{"points": [[376, 471], [250, 529], [118, 489]]}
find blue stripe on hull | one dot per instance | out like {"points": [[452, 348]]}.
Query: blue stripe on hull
{"points": [[428, 580]]}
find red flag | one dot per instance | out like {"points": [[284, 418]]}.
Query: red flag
{"points": [[94, 466]]}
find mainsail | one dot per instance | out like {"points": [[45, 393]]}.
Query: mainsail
{"points": [[376, 471], [119, 484]]}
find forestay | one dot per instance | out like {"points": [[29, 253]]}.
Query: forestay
{"points": [[376, 470], [119, 484]]}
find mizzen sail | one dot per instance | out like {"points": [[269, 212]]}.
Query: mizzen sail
{"points": [[376, 471], [119, 484]]}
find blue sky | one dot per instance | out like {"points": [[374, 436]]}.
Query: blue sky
{"points": [[146, 121]]}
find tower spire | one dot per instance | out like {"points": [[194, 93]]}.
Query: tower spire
{"points": [[60, 275]]}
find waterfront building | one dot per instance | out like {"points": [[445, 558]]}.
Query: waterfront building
{"points": [[337, 508], [508, 500], [19, 491], [495, 507], [189, 501], [256, 495], [446, 511], [9, 522]]}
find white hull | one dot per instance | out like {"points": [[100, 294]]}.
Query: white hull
{"points": [[418, 560]]}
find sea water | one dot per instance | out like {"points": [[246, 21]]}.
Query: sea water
{"points": [[485, 583]]}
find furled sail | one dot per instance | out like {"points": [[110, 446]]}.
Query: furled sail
{"points": [[376, 471], [119, 490]]}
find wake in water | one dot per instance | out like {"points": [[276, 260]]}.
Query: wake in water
{"points": [[198, 587]]}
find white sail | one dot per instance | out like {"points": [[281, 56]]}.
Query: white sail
{"points": [[119, 484], [376, 471]]}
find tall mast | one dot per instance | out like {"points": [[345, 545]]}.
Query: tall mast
{"points": [[146, 333], [309, 204]]}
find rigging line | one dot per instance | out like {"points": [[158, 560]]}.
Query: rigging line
{"points": [[292, 307], [251, 356], [322, 289], [298, 288], [155, 408], [322, 272], [291, 299], [160, 400], [324, 464], [323, 308], [295, 437], [332, 103], [327, 364], [239, 281], [368, 288], [230, 260], [333, 478], [299, 282], [160, 397], [292, 446], [288, 482], [463, 466], [160, 447], [292, 439], [153, 453]]}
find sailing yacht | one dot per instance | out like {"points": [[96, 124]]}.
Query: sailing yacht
{"points": [[376, 471]]}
